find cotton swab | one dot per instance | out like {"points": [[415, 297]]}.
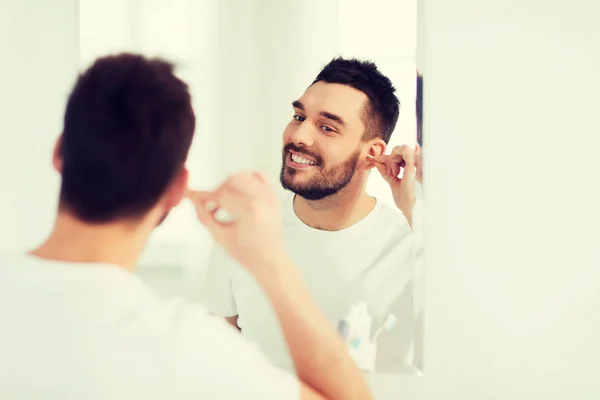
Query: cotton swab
{"points": [[220, 214]]}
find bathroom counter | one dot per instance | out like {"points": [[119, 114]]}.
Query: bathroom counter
{"points": [[387, 386], [396, 386]]}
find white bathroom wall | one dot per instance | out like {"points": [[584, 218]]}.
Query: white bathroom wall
{"points": [[40, 58], [512, 198]]}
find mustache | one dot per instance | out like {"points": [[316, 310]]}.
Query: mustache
{"points": [[300, 150]]}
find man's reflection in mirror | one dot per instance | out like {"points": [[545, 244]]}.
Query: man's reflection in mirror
{"points": [[350, 247]]}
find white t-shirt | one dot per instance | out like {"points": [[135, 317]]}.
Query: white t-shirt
{"points": [[93, 331], [370, 261]]}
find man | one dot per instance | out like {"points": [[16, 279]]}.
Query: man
{"points": [[349, 246], [78, 324]]}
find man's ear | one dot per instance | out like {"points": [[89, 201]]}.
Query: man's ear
{"points": [[178, 188], [375, 147], [57, 160]]}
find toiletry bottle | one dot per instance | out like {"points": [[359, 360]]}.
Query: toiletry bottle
{"points": [[362, 322], [358, 339]]}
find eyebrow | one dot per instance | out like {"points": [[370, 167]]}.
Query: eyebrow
{"points": [[298, 104]]}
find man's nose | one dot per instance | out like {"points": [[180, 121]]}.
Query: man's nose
{"points": [[303, 134]]}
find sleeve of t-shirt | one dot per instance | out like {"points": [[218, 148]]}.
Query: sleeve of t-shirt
{"points": [[218, 297], [213, 361]]}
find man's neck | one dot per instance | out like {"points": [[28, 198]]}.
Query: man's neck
{"points": [[74, 241], [339, 211]]}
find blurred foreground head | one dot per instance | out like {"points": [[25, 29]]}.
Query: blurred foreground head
{"points": [[128, 127]]}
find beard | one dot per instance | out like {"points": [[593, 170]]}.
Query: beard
{"points": [[323, 182]]}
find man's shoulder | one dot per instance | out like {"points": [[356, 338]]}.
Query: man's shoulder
{"points": [[205, 343], [164, 320]]}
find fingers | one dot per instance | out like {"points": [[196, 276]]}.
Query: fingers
{"points": [[392, 161], [234, 197], [200, 199], [383, 159], [261, 177], [392, 158], [401, 155], [389, 171], [206, 207], [206, 216], [197, 195], [405, 153], [390, 165], [382, 168]]}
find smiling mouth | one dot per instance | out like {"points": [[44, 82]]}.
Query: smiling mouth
{"points": [[298, 159]]}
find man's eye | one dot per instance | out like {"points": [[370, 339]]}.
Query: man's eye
{"points": [[327, 129], [299, 118]]}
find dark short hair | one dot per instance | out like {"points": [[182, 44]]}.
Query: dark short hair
{"points": [[419, 107], [383, 108], [128, 127]]}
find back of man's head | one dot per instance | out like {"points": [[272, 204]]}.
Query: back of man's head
{"points": [[128, 127], [383, 108]]}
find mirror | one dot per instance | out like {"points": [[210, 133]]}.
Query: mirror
{"points": [[246, 63]]}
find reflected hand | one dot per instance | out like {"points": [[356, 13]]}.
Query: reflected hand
{"points": [[402, 188], [253, 235]]}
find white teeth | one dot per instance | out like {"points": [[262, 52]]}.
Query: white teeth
{"points": [[300, 160]]}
